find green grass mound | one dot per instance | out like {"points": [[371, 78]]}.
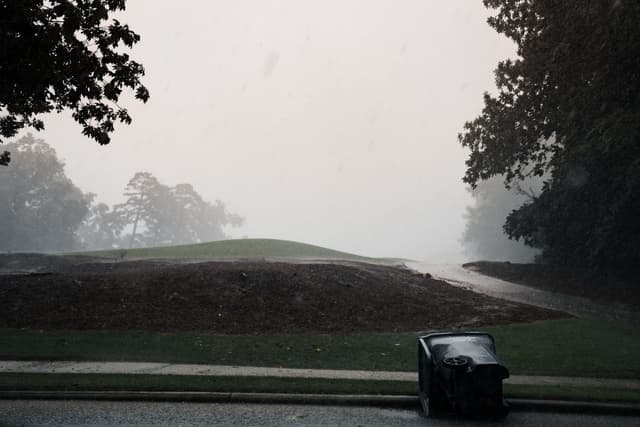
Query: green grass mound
{"points": [[240, 248]]}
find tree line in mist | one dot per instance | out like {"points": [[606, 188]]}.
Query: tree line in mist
{"points": [[484, 237], [43, 210]]}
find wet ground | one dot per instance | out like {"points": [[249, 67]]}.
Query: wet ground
{"points": [[239, 297], [29, 413], [620, 286], [468, 279]]}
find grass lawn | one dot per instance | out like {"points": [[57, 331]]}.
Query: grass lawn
{"points": [[364, 351], [110, 382], [94, 382], [238, 248], [570, 347], [570, 393]]}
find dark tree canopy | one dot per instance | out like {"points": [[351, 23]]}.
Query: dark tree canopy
{"points": [[40, 208], [65, 55], [568, 107]]}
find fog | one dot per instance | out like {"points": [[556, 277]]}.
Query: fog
{"points": [[333, 123], [484, 237]]}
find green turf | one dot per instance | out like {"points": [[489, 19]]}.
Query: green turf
{"points": [[238, 248], [356, 351], [110, 382], [570, 347], [114, 382], [590, 394]]}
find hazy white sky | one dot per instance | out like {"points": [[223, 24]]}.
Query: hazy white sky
{"points": [[328, 122]]}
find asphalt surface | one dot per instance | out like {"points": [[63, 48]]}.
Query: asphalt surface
{"points": [[105, 413]]}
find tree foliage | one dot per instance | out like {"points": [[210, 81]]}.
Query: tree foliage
{"points": [[567, 106], [101, 228], [65, 55], [40, 208]]}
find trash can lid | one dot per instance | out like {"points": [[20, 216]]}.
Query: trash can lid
{"points": [[478, 346]]}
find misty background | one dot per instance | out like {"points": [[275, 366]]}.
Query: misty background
{"points": [[332, 123]]}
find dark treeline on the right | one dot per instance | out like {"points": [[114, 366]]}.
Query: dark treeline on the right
{"points": [[567, 109]]}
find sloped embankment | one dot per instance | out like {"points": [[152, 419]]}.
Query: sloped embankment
{"points": [[246, 297]]}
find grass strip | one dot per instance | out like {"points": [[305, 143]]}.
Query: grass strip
{"points": [[116, 382], [568, 347], [571, 347], [587, 394], [322, 351]]}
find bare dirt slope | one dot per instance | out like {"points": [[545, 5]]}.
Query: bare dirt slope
{"points": [[241, 297]]}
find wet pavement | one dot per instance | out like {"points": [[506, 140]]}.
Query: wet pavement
{"points": [[29, 413], [580, 307]]}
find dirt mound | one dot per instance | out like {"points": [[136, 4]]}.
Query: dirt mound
{"points": [[246, 297]]}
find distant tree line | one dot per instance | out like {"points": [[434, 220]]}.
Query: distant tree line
{"points": [[484, 237], [42, 210]]}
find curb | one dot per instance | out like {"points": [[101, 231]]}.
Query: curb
{"points": [[392, 401], [580, 407]]}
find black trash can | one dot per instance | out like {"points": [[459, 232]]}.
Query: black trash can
{"points": [[461, 372]]}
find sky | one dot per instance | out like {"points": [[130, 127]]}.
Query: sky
{"points": [[328, 122]]}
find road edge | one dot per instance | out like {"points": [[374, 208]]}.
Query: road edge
{"points": [[394, 401]]}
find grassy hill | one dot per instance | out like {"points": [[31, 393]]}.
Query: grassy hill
{"points": [[240, 248]]}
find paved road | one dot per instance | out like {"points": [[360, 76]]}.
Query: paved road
{"points": [[89, 413], [580, 307]]}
